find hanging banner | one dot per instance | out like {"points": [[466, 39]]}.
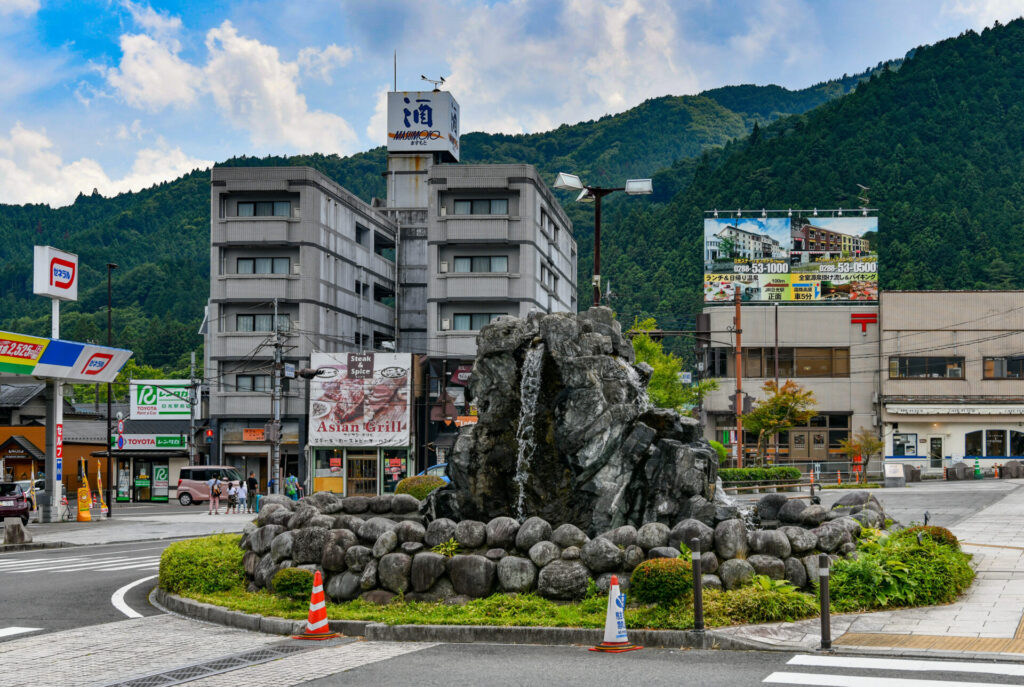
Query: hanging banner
{"points": [[791, 259], [360, 399]]}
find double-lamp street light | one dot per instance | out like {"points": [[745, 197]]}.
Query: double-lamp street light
{"points": [[594, 194]]}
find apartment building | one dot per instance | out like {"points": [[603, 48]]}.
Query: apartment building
{"points": [[745, 244], [818, 243]]}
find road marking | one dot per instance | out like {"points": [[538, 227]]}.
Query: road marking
{"points": [[14, 630], [95, 563], [118, 598], [865, 681], [132, 566], [907, 664], [27, 561]]}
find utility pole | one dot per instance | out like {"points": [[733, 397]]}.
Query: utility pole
{"points": [[192, 398], [776, 308], [739, 378], [275, 428]]}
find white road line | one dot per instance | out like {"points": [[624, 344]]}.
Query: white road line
{"points": [[85, 565], [33, 561], [8, 631], [118, 598], [149, 564], [821, 680], [892, 664]]}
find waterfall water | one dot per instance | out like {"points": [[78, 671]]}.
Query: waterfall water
{"points": [[529, 391], [643, 400]]}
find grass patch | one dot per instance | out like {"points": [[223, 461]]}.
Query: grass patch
{"points": [[209, 564], [866, 485]]}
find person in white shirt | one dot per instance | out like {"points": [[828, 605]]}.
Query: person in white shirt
{"points": [[232, 498], [215, 488], [242, 494]]}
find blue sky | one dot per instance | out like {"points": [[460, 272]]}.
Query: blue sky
{"points": [[121, 94]]}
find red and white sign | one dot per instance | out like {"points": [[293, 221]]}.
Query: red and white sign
{"points": [[461, 375], [864, 319], [55, 274]]}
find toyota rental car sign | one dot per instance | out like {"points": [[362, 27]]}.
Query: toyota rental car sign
{"points": [[55, 274], [159, 399]]}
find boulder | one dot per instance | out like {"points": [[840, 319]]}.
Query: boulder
{"points": [[495, 554], [724, 512], [544, 552], [249, 562], [711, 581], [385, 544], [280, 518], [264, 570], [334, 558], [869, 518], [652, 535], [846, 549], [735, 573], [281, 547], [368, 580], [266, 511], [516, 574], [810, 562], [771, 566], [565, 580], [412, 547], [851, 525], [344, 521], [426, 568], [342, 537], [381, 504], [621, 536], [796, 573], [569, 535], [855, 497], [633, 557], [324, 521], [470, 534], [770, 542], [699, 508], [604, 581], [602, 555], [571, 553], [708, 562], [326, 502], [380, 597], [472, 575], [357, 557], [303, 514], [371, 530], [533, 530], [438, 532], [501, 532], [355, 504], [768, 506], [830, 536], [308, 544], [800, 539], [404, 503], [343, 587], [279, 500], [262, 537], [441, 591], [663, 552], [393, 572], [731, 541], [813, 515], [410, 530], [792, 511], [686, 531]]}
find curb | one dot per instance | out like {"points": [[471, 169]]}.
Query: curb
{"points": [[448, 634], [34, 546]]}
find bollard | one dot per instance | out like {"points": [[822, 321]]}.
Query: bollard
{"points": [[826, 620], [698, 587]]}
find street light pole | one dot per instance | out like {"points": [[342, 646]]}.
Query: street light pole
{"points": [[110, 342]]}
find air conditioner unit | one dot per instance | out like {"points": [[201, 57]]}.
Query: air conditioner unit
{"points": [[443, 267], [446, 324]]}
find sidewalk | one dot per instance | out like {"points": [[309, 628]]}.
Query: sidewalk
{"points": [[987, 621]]}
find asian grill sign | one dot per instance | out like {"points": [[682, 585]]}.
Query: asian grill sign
{"points": [[794, 259], [360, 399]]}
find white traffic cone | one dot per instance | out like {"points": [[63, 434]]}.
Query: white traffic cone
{"points": [[615, 639]]}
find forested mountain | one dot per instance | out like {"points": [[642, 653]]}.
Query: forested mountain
{"points": [[159, 237]]}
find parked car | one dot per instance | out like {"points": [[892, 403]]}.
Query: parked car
{"points": [[192, 487], [14, 502], [26, 485], [439, 470]]}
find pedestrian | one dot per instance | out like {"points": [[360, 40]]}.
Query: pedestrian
{"points": [[291, 487], [242, 494], [232, 498], [252, 489], [214, 484]]}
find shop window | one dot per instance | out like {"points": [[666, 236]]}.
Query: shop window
{"points": [[785, 362], [972, 443], [837, 435], [1004, 368], [934, 367], [818, 421], [995, 442], [904, 444], [1016, 443], [752, 363], [813, 362]]}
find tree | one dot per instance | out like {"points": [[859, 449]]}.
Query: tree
{"points": [[864, 443], [666, 388], [726, 249], [785, 406]]}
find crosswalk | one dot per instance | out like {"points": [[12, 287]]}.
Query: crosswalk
{"points": [[107, 562], [852, 671]]}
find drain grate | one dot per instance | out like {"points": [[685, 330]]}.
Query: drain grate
{"points": [[225, 664]]}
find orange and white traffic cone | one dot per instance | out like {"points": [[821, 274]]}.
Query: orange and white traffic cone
{"points": [[615, 639], [316, 625], [839, 477]]}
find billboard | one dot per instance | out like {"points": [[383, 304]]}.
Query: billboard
{"points": [[423, 122], [360, 399], [55, 273], [69, 361], [791, 259], [159, 399]]}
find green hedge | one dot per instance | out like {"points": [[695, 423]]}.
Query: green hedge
{"points": [[419, 486], [759, 474], [661, 580], [293, 583], [210, 564]]}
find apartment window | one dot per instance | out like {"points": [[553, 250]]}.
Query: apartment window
{"points": [[383, 294], [482, 263], [263, 265], [362, 288], [362, 339], [794, 362], [467, 322], [1005, 368], [252, 383], [261, 323], [482, 206], [265, 208], [935, 367], [362, 235], [904, 444]]}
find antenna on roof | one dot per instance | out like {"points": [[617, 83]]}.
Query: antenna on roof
{"points": [[437, 82]]}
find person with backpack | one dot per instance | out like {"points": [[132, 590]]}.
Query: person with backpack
{"points": [[214, 484], [291, 487]]}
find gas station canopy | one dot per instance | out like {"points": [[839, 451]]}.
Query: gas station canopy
{"points": [[23, 356]]}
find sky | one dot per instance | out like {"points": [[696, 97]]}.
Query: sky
{"points": [[118, 95]]}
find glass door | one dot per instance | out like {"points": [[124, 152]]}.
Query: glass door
{"points": [[143, 480], [361, 473], [798, 444], [935, 451], [124, 471]]}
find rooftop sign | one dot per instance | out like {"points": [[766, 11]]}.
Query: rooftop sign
{"points": [[423, 122]]}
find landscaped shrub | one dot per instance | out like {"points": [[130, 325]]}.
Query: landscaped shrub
{"points": [[210, 564], [759, 474], [293, 583], [721, 450], [940, 535], [419, 486], [765, 600], [662, 580]]}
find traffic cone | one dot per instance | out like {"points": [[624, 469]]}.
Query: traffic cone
{"points": [[316, 625], [839, 477], [615, 639]]}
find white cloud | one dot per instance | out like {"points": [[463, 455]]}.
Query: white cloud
{"points": [[983, 13], [320, 63], [258, 92], [159, 24], [27, 7], [134, 130], [31, 171], [151, 76], [377, 129]]}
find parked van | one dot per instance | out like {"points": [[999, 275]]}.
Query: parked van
{"points": [[192, 487]]}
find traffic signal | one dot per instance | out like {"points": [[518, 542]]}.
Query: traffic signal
{"points": [[209, 436]]}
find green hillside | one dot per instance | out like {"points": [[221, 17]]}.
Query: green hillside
{"points": [[159, 237]]}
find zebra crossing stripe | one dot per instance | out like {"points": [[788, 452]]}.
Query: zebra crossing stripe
{"points": [[825, 680], [15, 630], [893, 664]]}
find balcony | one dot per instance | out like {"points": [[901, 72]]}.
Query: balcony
{"points": [[473, 228], [264, 287], [465, 285], [243, 344], [248, 230]]}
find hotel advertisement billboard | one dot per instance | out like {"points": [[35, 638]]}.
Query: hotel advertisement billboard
{"points": [[791, 259]]}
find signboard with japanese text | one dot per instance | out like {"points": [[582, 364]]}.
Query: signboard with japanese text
{"points": [[360, 399], [35, 356], [423, 122], [148, 442], [55, 273], [159, 399], [791, 259]]}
